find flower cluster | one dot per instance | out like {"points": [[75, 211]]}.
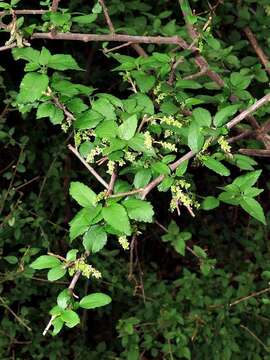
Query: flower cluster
{"points": [[94, 152], [180, 195], [86, 269], [123, 241], [225, 147]]}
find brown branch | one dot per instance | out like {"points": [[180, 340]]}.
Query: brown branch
{"points": [[21, 321], [111, 184], [260, 53], [241, 136], [24, 12], [169, 40], [107, 16], [92, 171], [54, 6], [7, 47], [247, 112], [158, 180], [132, 192], [200, 73], [252, 295], [255, 152]]}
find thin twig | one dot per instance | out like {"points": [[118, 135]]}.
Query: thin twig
{"points": [[92, 171], [132, 192], [21, 321], [7, 47], [107, 16], [116, 47], [200, 73], [111, 183], [74, 281], [260, 53], [266, 348], [255, 152], [24, 12], [47, 328], [254, 294]]}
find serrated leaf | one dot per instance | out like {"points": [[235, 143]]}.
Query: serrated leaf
{"points": [[32, 87], [82, 220], [84, 19], [26, 53], [95, 239], [188, 84], [82, 194], [116, 216], [139, 210], [105, 108], [127, 130], [142, 178], [57, 326], [253, 208], [216, 166], [56, 273], [44, 56], [49, 110], [45, 262], [247, 180], [95, 300], [88, 120]]}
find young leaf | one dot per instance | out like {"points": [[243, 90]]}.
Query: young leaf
{"points": [[252, 207], [95, 239], [70, 318], [63, 299], [210, 202], [139, 210], [216, 166], [82, 220], [56, 273], [32, 87], [95, 300], [247, 180], [127, 130], [82, 194], [45, 262], [116, 216]]}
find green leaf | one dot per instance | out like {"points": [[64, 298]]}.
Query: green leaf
{"points": [[57, 326], [127, 130], [49, 110], [240, 81], [88, 120], [95, 300], [199, 252], [161, 168], [107, 129], [82, 220], [195, 138], [253, 208], [44, 56], [56, 273], [180, 245], [142, 178], [95, 239], [222, 115], [182, 168], [105, 108], [116, 216], [144, 81], [26, 53], [216, 166], [202, 117], [139, 210], [186, 10], [229, 197], [63, 62], [82, 194], [32, 87], [247, 180], [210, 202], [71, 255], [45, 262], [63, 299], [70, 318], [188, 84], [84, 19]]}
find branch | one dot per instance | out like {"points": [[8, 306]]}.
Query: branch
{"points": [[7, 47], [247, 112], [260, 53], [92, 171], [132, 192], [255, 152], [55, 4], [111, 183], [24, 12], [169, 40], [107, 16]]}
